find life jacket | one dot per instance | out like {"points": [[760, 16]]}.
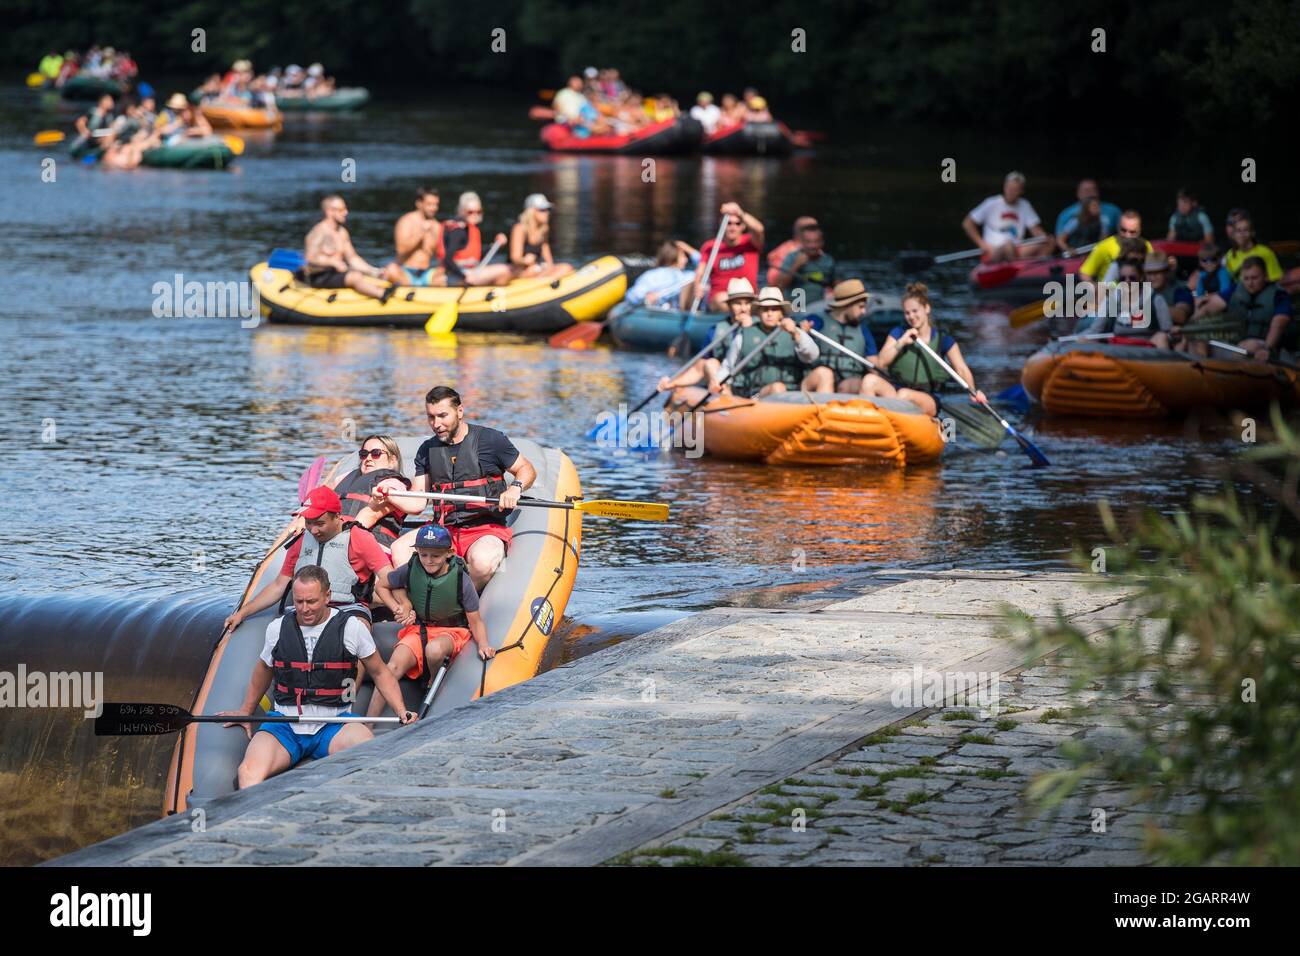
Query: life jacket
{"points": [[354, 491], [1217, 281], [1254, 312], [915, 369], [778, 362], [455, 469], [332, 556], [299, 680], [849, 336], [436, 600], [473, 250], [1187, 228]]}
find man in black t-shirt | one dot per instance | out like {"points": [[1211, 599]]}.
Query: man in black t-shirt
{"points": [[467, 459]]}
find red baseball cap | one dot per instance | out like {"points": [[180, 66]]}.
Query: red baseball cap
{"points": [[321, 501]]}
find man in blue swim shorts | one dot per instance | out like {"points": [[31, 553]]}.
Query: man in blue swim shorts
{"points": [[309, 665], [418, 240]]}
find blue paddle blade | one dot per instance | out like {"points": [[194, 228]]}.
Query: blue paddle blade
{"points": [[1015, 396], [1035, 455], [289, 259]]}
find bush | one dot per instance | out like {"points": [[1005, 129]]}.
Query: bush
{"points": [[1217, 643]]}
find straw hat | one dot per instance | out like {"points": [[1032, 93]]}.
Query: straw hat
{"points": [[242, 66], [177, 101], [771, 297], [1155, 263], [847, 293], [739, 289]]}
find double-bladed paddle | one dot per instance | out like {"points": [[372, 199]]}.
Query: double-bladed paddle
{"points": [[741, 364], [152, 720], [601, 507], [1028, 447]]}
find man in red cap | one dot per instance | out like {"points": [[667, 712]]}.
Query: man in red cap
{"points": [[348, 553]]}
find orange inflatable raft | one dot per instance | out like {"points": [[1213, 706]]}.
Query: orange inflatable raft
{"points": [[229, 116], [802, 428], [1130, 381]]}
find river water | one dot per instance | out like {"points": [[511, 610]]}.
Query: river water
{"points": [[151, 460]]}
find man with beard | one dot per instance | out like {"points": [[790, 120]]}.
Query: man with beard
{"points": [[418, 240], [836, 372]]}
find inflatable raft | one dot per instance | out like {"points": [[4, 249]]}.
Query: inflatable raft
{"points": [[801, 428], [1132, 381], [680, 135], [340, 101], [207, 152], [648, 329], [522, 604], [224, 115], [86, 87], [527, 305], [753, 139], [1032, 274]]}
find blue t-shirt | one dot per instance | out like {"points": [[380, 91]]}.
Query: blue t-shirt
{"points": [[1224, 286], [1110, 214], [662, 279]]}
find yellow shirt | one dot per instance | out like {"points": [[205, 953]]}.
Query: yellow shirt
{"points": [[1235, 257], [1102, 255]]}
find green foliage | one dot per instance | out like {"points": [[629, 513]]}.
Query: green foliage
{"points": [[1216, 647], [980, 62]]}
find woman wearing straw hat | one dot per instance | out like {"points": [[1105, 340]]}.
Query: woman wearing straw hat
{"points": [[708, 371], [784, 362], [836, 372]]}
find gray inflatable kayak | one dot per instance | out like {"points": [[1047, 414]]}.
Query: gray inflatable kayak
{"points": [[521, 607]]}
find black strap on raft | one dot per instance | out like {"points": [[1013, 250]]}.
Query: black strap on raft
{"points": [[532, 618]]}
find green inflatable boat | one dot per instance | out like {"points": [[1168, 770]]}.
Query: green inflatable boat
{"points": [[208, 152], [340, 101]]}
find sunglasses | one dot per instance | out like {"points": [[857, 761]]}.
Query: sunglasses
{"points": [[373, 453], [1210, 259], [473, 212]]}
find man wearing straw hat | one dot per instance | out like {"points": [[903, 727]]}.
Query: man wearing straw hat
{"points": [[782, 364], [836, 372]]}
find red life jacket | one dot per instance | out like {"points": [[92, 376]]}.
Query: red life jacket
{"points": [[461, 474], [473, 250], [320, 680]]}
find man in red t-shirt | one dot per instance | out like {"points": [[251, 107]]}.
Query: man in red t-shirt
{"points": [[348, 552], [738, 256]]}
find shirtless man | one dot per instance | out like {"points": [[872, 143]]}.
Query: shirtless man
{"points": [[418, 239], [332, 263]]}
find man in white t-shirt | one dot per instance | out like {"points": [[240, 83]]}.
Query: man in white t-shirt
{"points": [[707, 112], [308, 664], [1000, 223]]}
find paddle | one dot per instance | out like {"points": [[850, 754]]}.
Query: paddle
{"points": [[47, 137], [593, 433], [151, 720], [433, 687], [1240, 351], [1028, 447], [35, 79], [678, 346], [310, 478], [444, 319], [739, 365], [911, 261], [235, 143], [601, 507]]}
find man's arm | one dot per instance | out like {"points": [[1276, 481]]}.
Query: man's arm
{"points": [[525, 474], [789, 267], [264, 599], [353, 260], [258, 684], [973, 231], [479, 632], [386, 685]]}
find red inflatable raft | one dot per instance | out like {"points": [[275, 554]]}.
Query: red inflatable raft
{"points": [[679, 135], [754, 139], [1031, 274]]}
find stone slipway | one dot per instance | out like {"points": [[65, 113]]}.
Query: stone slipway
{"points": [[627, 746]]}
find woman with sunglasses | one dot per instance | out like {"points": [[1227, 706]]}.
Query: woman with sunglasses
{"points": [[380, 466], [1131, 308], [530, 242]]}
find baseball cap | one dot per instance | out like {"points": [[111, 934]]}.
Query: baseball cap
{"points": [[590, 73], [321, 501], [433, 536], [537, 201]]}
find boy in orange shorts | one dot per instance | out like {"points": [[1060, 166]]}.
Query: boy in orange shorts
{"points": [[438, 606]]}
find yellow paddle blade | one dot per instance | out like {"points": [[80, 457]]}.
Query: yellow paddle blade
{"points": [[1027, 314], [47, 136], [631, 510], [442, 321], [35, 79], [235, 143]]}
